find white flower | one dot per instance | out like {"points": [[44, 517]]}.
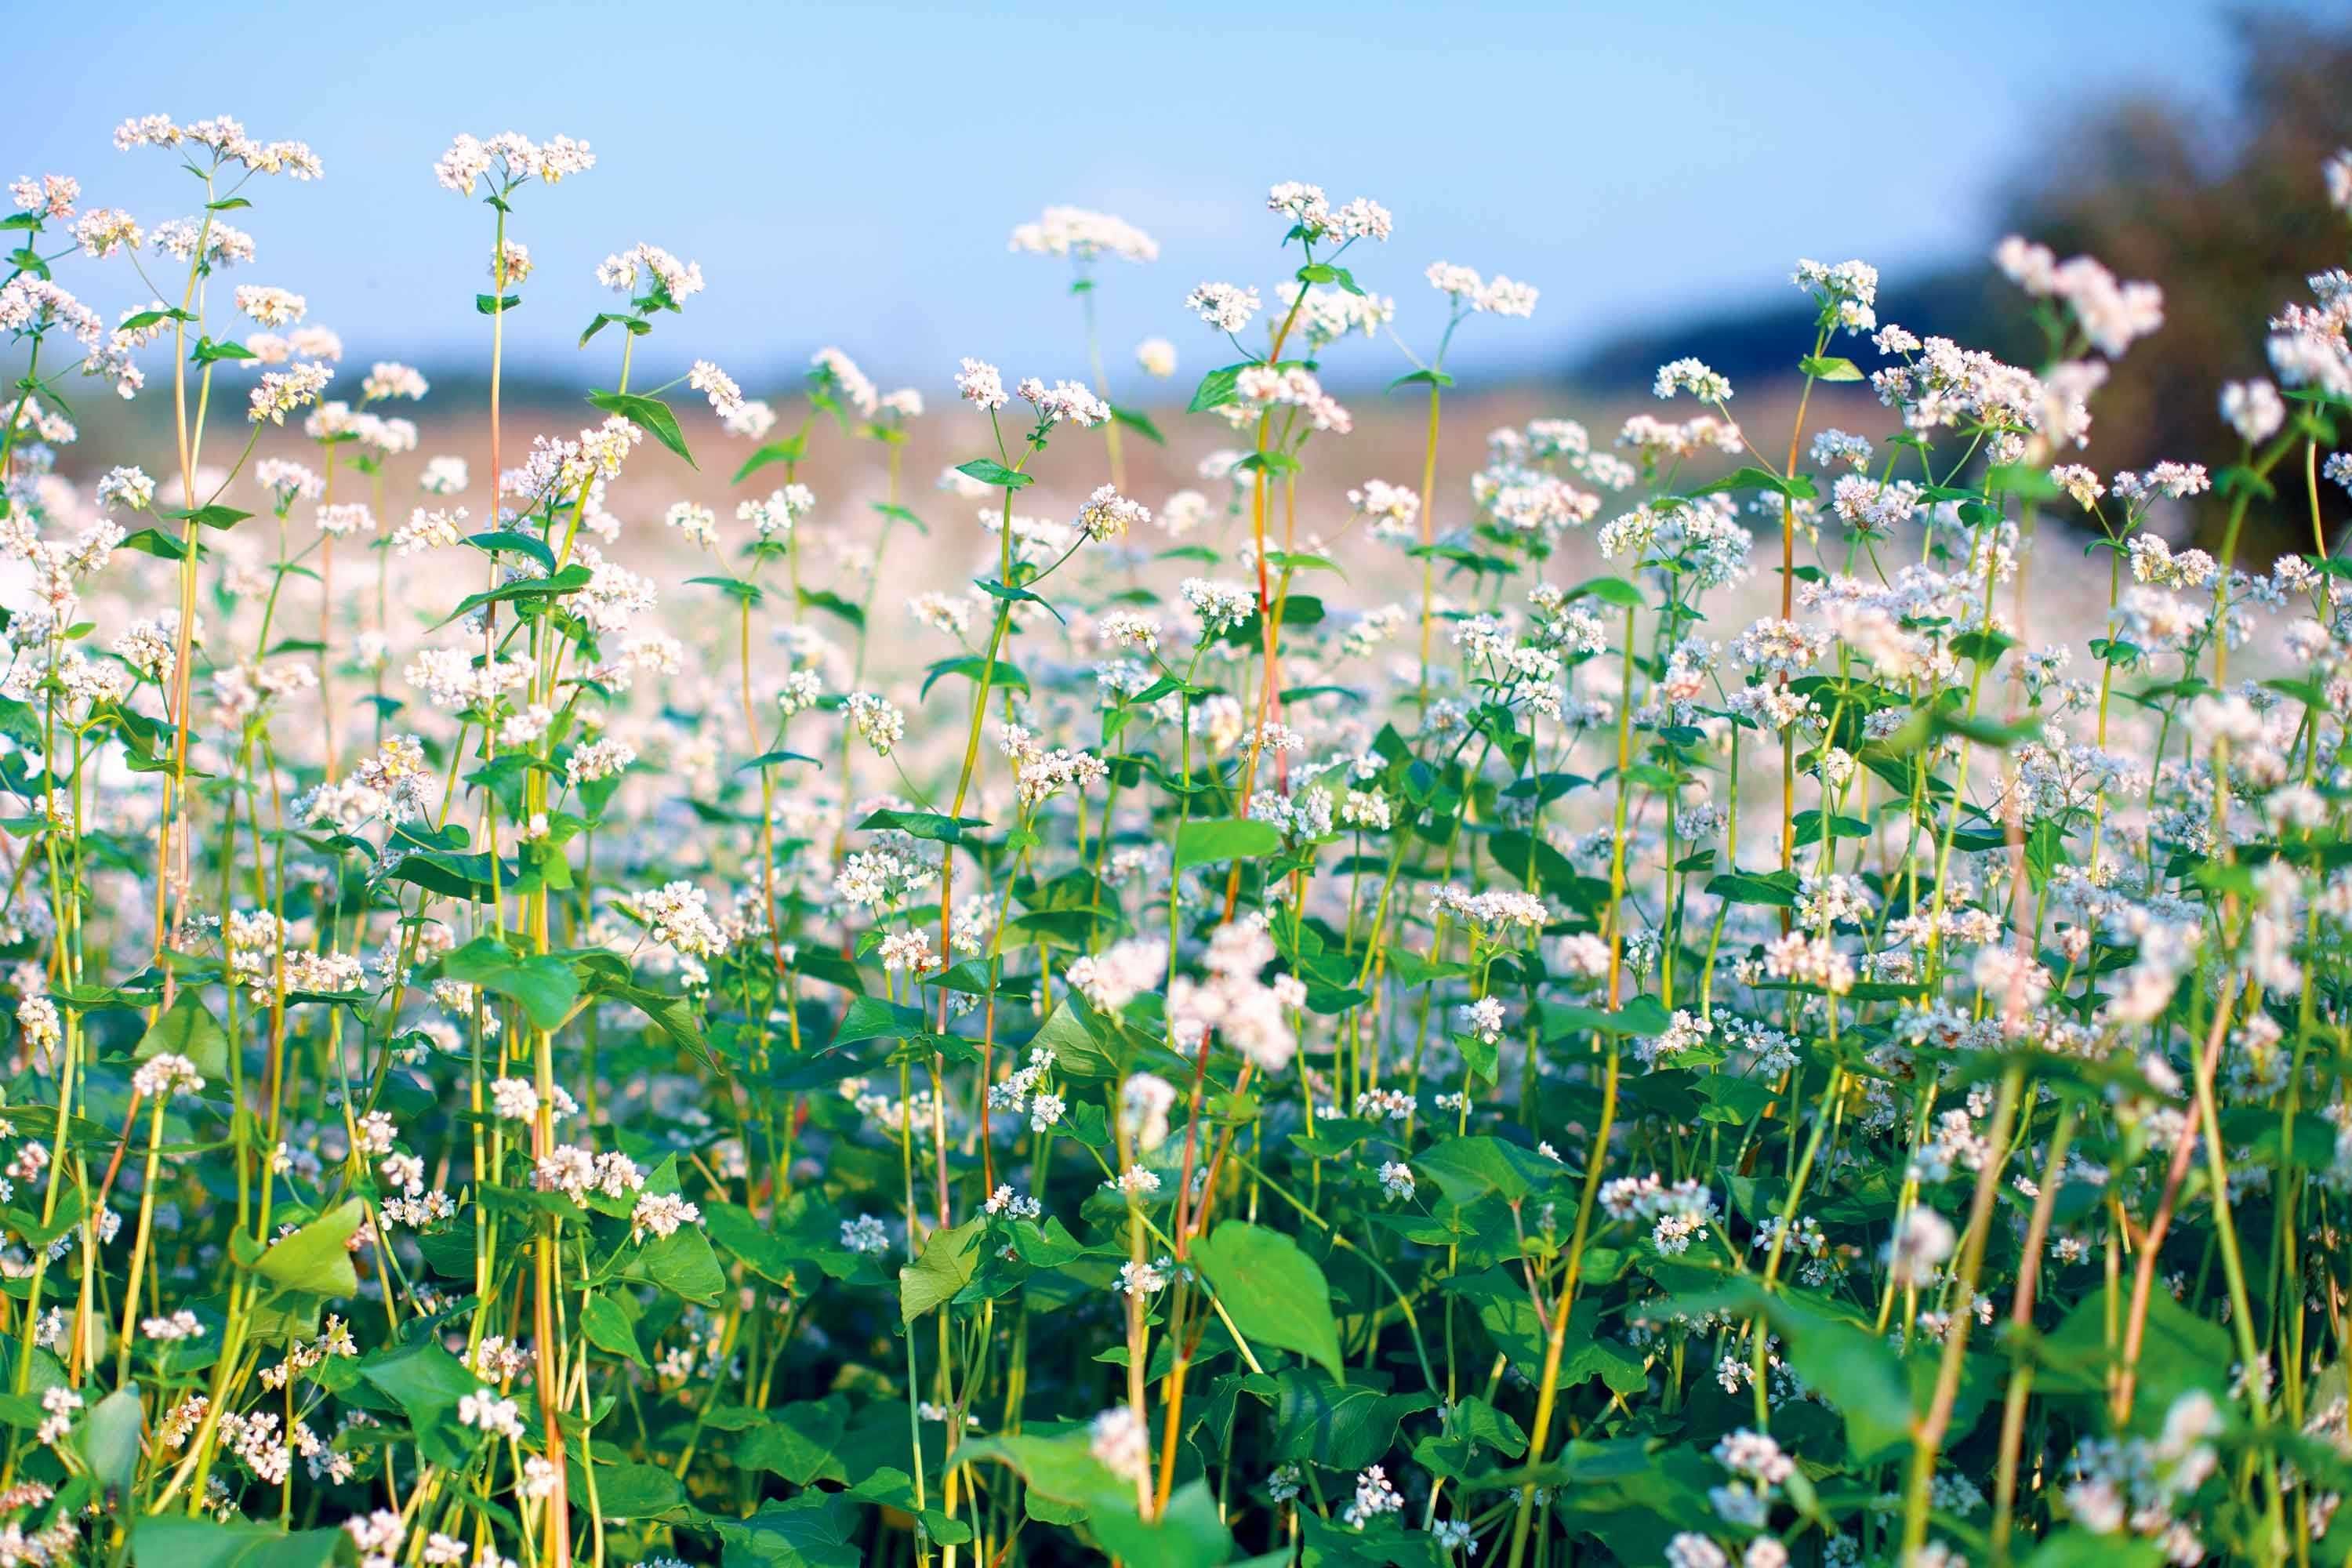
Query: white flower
{"points": [[1082, 236], [1396, 1180], [1122, 1441], [484, 1410], [979, 382], [1692, 376], [1222, 306], [2254, 409]]}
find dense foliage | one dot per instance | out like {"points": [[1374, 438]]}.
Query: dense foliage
{"points": [[1679, 1058]]}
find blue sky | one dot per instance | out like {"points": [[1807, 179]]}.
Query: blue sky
{"points": [[847, 173]]}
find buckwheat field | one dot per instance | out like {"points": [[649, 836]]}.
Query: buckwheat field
{"points": [[665, 982]]}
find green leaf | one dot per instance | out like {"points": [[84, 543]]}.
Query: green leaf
{"points": [[1467, 1169], [814, 1529], [109, 1439], [1274, 1292], [896, 1489], [178, 1541], [1854, 1369], [683, 1264], [2022, 479], [736, 588], [1643, 1017], [801, 1442], [978, 670], [609, 1329], [187, 1028], [570, 580], [1342, 1426], [1829, 367], [775, 759], [638, 325], [833, 603], [1061, 1469], [515, 543], [789, 450], [2077, 1548], [427, 1382], [216, 516], [648, 413], [1799, 487], [1079, 1051], [945, 1267], [1610, 590], [631, 1490], [2181, 1350], [496, 305], [1233, 839], [1136, 420], [156, 543], [544, 984], [1774, 889], [934, 825], [1216, 389], [989, 471], [317, 1259]]}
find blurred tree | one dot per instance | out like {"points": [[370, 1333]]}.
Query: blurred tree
{"points": [[2230, 214]]}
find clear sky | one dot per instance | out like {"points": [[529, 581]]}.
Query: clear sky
{"points": [[847, 173]]}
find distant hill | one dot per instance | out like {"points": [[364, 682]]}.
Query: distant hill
{"points": [[1763, 342]]}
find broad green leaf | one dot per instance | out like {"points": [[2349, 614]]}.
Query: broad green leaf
{"points": [[177, 1541], [109, 1439], [1061, 1469], [1342, 1426], [545, 985], [2077, 1548], [935, 826], [945, 1267], [1610, 590], [800, 1442], [1774, 889], [1799, 487], [683, 1264], [979, 671], [896, 1489], [317, 1259], [775, 759], [631, 1490], [648, 413], [427, 1383], [1830, 367], [1467, 1169], [1216, 388], [608, 1328], [1274, 1292], [791, 449], [814, 1529], [989, 471], [214, 516], [1211, 840], [525, 544], [187, 1028], [1141, 423]]}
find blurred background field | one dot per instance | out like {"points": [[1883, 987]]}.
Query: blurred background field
{"points": [[1655, 179], [2175, 141]]}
